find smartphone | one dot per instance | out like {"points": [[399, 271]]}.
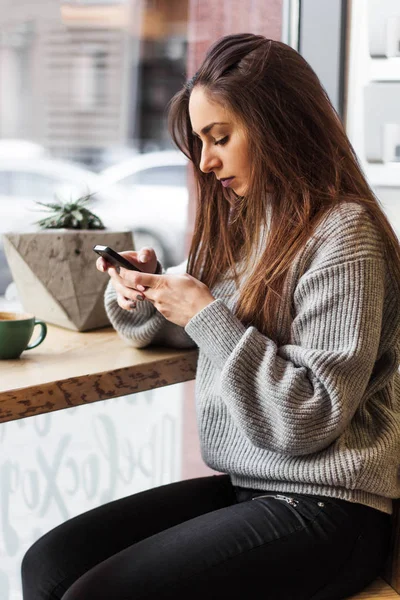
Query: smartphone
{"points": [[115, 259]]}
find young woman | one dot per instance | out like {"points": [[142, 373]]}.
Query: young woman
{"points": [[291, 293]]}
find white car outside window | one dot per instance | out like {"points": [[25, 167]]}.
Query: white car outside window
{"points": [[155, 188]]}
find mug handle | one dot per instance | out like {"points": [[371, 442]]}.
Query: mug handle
{"points": [[42, 335]]}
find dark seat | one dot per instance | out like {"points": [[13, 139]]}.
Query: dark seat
{"points": [[387, 587]]}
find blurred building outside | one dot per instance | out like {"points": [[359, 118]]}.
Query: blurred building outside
{"points": [[92, 86], [90, 82]]}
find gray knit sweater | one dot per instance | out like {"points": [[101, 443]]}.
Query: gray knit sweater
{"points": [[320, 414]]}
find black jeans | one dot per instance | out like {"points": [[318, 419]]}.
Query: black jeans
{"points": [[203, 538]]}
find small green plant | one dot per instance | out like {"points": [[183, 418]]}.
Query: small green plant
{"points": [[70, 215]]}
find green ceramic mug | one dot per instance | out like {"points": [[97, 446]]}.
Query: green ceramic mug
{"points": [[16, 331]]}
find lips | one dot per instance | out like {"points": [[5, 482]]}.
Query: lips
{"points": [[227, 181]]}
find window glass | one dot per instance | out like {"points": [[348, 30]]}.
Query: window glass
{"points": [[90, 82], [5, 178], [33, 185], [169, 175]]}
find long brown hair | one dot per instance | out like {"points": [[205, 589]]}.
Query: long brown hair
{"points": [[303, 166]]}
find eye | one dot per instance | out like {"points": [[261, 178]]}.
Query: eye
{"points": [[222, 142]]}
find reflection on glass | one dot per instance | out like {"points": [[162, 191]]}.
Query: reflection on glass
{"points": [[171, 176], [89, 82]]}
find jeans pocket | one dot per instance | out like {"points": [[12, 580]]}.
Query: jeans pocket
{"points": [[309, 507]]}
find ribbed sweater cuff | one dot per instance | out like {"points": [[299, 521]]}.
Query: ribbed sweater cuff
{"points": [[138, 326], [216, 331]]}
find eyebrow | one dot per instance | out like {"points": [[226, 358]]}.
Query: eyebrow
{"points": [[208, 128]]}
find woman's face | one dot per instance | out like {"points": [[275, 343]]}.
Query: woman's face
{"points": [[225, 150]]}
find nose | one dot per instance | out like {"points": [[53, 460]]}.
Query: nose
{"points": [[209, 160]]}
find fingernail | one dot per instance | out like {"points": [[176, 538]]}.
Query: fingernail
{"points": [[141, 288], [132, 305], [143, 258], [140, 297]]}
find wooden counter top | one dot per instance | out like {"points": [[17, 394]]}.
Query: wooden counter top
{"points": [[72, 368]]}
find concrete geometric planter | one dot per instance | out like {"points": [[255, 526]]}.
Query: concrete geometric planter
{"points": [[55, 274]]}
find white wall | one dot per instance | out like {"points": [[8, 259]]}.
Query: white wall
{"points": [[58, 465], [370, 25]]}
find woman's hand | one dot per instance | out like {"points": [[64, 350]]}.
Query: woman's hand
{"points": [[177, 297], [145, 259]]}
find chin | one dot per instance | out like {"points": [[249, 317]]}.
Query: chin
{"points": [[240, 191]]}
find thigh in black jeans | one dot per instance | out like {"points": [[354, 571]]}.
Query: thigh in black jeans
{"points": [[202, 538]]}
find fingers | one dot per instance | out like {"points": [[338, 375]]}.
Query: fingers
{"points": [[146, 254], [143, 255], [127, 289], [127, 295], [101, 264], [147, 260], [126, 303], [129, 292], [129, 303]]}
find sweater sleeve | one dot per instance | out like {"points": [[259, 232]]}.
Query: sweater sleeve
{"points": [[145, 325], [298, 398]]}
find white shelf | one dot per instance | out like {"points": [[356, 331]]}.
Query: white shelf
{"points": [[385, 69], [383, 175]]}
